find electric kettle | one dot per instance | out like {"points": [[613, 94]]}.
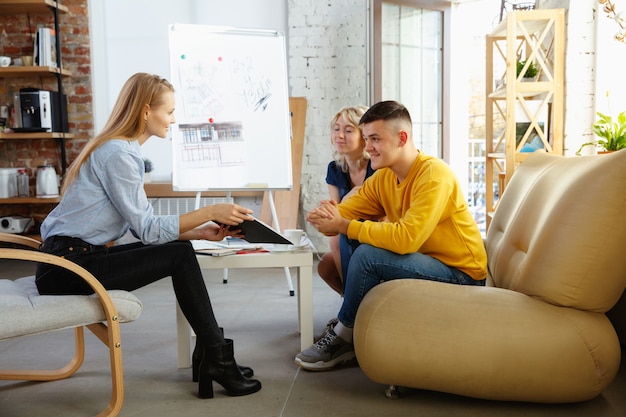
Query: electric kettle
{"points": [[47, 182]]}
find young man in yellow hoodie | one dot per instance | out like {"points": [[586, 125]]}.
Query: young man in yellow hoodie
{"points": [[429, 232]]}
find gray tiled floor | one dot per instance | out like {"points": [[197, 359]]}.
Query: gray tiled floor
{"points": [[257, 312]]}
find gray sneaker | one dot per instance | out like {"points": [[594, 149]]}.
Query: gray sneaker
{"points": [[329, 326], [326, 353]]}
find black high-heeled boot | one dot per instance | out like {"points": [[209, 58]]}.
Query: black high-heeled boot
{"points": [[218, 364], [196, 358]]}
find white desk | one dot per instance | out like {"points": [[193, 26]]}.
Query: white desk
{"points": [[302, 260]]}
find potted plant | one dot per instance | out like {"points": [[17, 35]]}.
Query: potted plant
{"points": [[531, 71], [148, 167], [612, 133]]}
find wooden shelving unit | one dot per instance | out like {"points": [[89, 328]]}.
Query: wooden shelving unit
{"points": [[521, 115], [34, 71], [30, 136], [30, 6], [38, 7], [29, 200]]}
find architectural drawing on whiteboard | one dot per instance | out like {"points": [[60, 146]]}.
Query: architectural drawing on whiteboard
{"points": [[232, 109], [229, 91], [212, 144], [256, 88], [216, 84]]}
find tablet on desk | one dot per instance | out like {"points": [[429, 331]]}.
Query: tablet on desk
{"points": [[255, 231]]}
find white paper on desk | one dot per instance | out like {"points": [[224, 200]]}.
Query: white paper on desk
{"points": [[234, 242], [217, 252], [228, 243]]}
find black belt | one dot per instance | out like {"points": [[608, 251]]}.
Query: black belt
{"points": [[73, 244]]}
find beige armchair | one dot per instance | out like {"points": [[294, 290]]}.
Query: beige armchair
{"points": [[24, 312], [538, 331]]}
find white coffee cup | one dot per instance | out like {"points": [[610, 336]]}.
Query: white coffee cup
{"points": [[296, 236], [5, 61]]}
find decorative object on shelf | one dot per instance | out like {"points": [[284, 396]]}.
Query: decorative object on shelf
{"points": [[527, 137], [619, 17], [531, 71], [148, 167], [45, 51]]}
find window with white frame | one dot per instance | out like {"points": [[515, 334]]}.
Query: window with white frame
{"points": [[408, 64]]}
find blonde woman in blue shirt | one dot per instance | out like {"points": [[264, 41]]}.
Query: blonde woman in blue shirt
{"points": [[103, 198], [345, 174]]}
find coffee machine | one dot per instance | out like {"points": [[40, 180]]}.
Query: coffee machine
{"points": [[42, 110]]}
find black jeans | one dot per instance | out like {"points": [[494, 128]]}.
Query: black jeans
{"points": [[128, 267]]}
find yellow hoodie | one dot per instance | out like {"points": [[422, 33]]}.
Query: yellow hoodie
{"points": [[426, 213]]}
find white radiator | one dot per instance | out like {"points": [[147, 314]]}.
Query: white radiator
{"points": [[164, 206]]}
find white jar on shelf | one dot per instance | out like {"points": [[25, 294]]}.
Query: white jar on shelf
{"points": [[8, 182]]}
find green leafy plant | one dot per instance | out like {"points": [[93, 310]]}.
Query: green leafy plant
{"points": [[612, 133], [531, 71]]}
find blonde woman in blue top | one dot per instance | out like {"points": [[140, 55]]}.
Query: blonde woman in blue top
{"points": [[346, 172], [103, 198]]}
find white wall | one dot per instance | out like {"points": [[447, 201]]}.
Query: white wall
{"points": [[609, 70], [327, 65], [132, 36]]}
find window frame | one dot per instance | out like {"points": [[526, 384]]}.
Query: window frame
{"points": [[375, 57]]}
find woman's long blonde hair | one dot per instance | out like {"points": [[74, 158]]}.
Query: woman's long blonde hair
{"points": [[125, 121], [353, 115]]}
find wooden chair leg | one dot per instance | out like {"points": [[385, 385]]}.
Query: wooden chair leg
{"points": [[110, 336], [55, 374]]}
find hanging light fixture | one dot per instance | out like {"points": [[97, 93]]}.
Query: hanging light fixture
{"points": [[619, 17]]}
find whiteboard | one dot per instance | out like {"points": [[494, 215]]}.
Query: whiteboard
{"points": [[233, 127]]}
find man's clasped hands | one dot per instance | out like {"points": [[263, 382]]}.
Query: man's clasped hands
{"points": [[327, 219]]}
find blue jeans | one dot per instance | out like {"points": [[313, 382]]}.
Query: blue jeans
{"points": [[370, 266], [346, 249]]}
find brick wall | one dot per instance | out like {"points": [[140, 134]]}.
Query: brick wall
{"points": [[327, 49], [16, 40]]}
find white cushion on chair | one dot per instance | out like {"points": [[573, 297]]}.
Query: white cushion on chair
{"points": [[24, 311]]}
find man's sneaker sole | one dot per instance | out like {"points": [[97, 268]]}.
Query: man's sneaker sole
{"points": [[325, 366]]}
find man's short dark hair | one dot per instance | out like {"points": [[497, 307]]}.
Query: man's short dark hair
{"points": [[386, 110]]}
